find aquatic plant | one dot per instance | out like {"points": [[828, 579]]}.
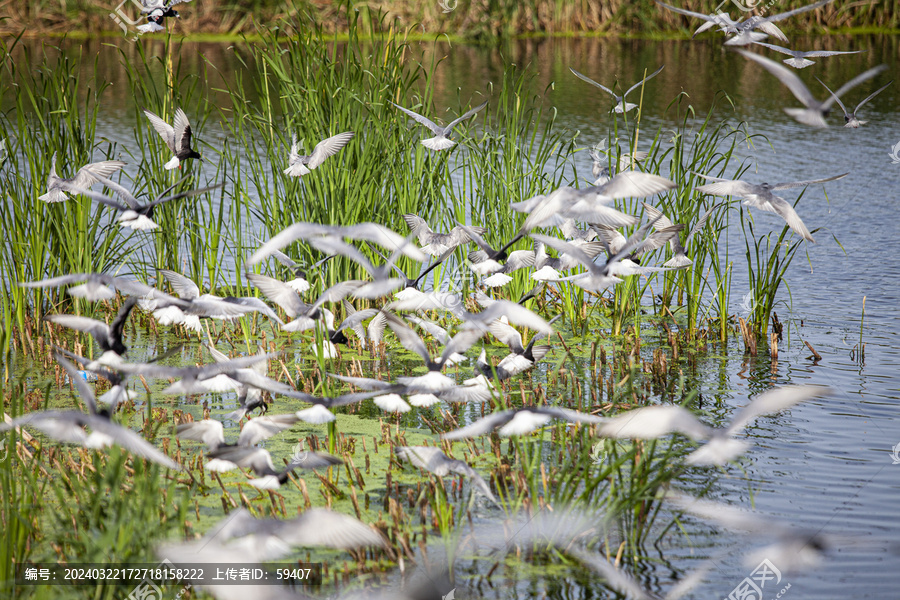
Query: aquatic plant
{"points": [[54, 113], [473, 19], [768, 259], [307, 86]]}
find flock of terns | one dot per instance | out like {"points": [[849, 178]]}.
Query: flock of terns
{"points": [[397, 301]]}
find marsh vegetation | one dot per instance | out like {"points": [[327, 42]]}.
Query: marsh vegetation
{"points": [[641, 343]]}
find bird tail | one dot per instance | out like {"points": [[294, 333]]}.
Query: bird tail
{"points": [[623, 107], [497, 280], [799, 63], [438, 143], [54, 196], [141, 223], [296, 170], [299, 285], [746, 39], [807, 116], [679, 261]]}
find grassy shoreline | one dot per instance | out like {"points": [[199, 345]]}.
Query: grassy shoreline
{"points": [[343, 37], [467, 20]]}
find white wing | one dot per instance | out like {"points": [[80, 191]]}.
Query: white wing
{"points": [[328, 147], [166, 131]]}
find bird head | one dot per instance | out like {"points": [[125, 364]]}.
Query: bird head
{"points": [[338, 337]]}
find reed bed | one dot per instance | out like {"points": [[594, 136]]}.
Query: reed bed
{"points": [[472, 19], [518, 151]]}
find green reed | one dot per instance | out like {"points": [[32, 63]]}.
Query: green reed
{"points": [[21, 490], [160, 81], [477, 21], [706, 147], [313, 91], [76, 505], [518, 154], [768, 259], [55, 112]]}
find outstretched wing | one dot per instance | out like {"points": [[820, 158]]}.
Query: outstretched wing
{"points": [[787, 51], [328, 147], [787, 77], [796, 184], [643, 81], [467, 115], [865, 76], [87, 175], [181, 132], [183, 287], [437, 129], [166, 131], [688, 13], [592, 82], [875, 93]]}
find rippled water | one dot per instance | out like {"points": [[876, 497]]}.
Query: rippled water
{"points": [[825, 465]]}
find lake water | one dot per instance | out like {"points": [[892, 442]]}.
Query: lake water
{"points": [[825, 465]]}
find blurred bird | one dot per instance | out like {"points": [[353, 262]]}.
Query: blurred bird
{"points": [[797, 548], [240, 538], [651, 422], [215, 377], [760, 196], [118, 391], [91, 286], [305, 315], [520, 421], [815, 111], [371, 232], [799, 58], [189, 291], [226, 458], [314, 528], [68, 426], [212, 433], [300, 282], [85, 177]]}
